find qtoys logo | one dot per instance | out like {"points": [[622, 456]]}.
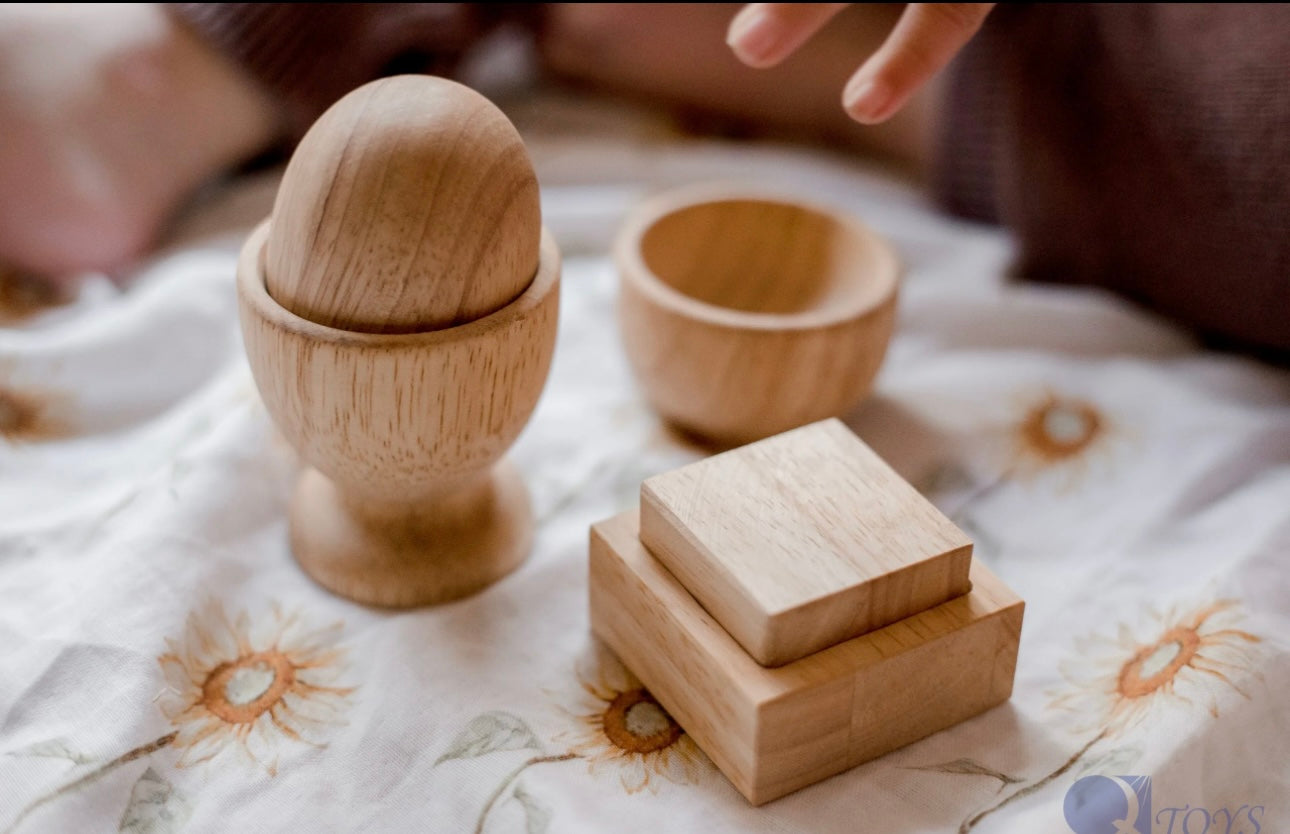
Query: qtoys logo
{"points": [[1122, 805]]}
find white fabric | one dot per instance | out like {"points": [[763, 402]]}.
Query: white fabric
{"points": [[142, 531]]}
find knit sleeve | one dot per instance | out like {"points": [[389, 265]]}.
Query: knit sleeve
{"points": [[1140, 147]]}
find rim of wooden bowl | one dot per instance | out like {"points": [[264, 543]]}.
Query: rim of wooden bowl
{"points": [[632, 267]]}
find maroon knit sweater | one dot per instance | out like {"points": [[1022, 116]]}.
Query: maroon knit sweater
{"points": [[1143, 148]]}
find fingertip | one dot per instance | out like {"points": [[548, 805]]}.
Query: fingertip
{"points": [[869, 100], [926, 38], [754, 37], [765, 34]]}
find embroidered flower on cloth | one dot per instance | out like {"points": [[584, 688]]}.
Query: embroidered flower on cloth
{"points": [[1185, 659], [619, 726], [252, 689]]}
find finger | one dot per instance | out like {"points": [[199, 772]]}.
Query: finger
{"points": [[926, 38], [763, 34]]}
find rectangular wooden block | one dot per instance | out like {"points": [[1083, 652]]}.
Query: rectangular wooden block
{"points": [[773, 731], [802, 540]]}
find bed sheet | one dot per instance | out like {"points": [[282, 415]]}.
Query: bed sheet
{"points": [[166, 667]]}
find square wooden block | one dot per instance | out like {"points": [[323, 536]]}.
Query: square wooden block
{"points": [[802, 540], [772, 731]]}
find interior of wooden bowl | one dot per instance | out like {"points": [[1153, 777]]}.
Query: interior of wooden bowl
{"points": [[763, 256]]}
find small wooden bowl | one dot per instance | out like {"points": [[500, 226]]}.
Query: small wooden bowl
{"points": [[745, 315]]}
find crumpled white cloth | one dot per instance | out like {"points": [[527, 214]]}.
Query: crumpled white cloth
{"points": [[166, 667]]}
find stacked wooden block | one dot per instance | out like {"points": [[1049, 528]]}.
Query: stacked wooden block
{"points": [[799, 608]]}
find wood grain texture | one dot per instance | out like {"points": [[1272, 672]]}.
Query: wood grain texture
{"points": [[412, 553], [404, 431], [410, 205], [773, 731], [802, 540], [744, 316]]}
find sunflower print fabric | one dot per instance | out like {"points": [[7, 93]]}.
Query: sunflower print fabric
{"points": [[166, 667], [229, 689]]}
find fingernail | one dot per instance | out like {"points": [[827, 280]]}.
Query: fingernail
{"points": [[751, 35], [866, 100]]}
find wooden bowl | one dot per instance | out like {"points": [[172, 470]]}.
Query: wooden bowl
{"points": [[745, 315]]}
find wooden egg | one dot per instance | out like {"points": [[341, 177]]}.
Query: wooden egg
{"points": [[410, 205], [744, 315], [399, 359]]}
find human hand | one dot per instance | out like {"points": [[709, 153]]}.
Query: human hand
{"points": [[924, 40]]}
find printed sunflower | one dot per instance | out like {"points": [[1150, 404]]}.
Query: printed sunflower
{"points": [[235, 687], [1058, 433], [30, 414], [1189, 658], [22, 295], [619, 726]]}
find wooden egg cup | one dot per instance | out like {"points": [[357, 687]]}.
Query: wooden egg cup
{"points": [[406, 500], [744, 315]]}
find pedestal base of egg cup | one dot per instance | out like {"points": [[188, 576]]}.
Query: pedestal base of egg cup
{"points": [[406, 500], [744, 315], [433, 551]]}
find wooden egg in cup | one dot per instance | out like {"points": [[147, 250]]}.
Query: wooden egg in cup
{"points": [[745, 315], [399, 311]]}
